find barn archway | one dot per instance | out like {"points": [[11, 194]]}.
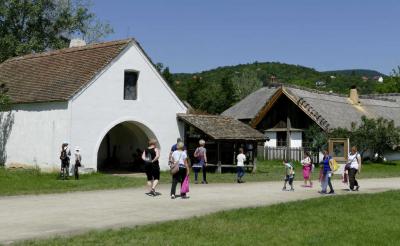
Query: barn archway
{"points": [[121, 147]]}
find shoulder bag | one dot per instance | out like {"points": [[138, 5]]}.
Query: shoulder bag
{"points": [[174, 168]]}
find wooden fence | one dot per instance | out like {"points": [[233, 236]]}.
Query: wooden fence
{"points": [[281, 153]]}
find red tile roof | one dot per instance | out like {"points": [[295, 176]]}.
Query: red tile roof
{"points": [[57, 75]]}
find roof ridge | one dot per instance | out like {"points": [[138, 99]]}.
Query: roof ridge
{"points": [[205, 115], [308, 89], [375, 95], [70, 50]]}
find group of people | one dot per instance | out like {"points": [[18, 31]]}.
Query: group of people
{"points": [[179, 156], [352, 167], [65, 157]]}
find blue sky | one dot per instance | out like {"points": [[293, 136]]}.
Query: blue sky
{"points": [[191, 36]]}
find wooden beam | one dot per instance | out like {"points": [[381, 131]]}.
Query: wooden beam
{"points": [[295, 100], [255, 157], [288, 145], [218, 158], [260, 115]]}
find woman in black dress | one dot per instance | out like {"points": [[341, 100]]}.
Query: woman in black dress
{"points": [[150, 156]]}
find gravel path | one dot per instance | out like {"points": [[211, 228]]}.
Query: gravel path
{"points": [[38, 216]]}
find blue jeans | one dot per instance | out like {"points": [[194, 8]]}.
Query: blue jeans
{"points": [[240, 172], [197, 170], [327, 182]]}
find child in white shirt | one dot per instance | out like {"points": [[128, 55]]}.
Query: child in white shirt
{"points": [[241, 158], [289, 175]]}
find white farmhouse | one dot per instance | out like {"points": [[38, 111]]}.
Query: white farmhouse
{"points": [[106, 98]]}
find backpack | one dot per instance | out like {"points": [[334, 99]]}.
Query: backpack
{"points": [[335, 165], [63, 155], [147, 156]]}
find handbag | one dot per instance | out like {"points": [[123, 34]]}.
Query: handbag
{"points": [[185, 185], [174, 167]]}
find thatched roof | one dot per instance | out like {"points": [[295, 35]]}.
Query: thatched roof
{"points": [[328, 110], [249, 106], [57, 75], [222, 128]]}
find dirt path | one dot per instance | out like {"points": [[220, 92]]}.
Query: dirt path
{"points": [[35, 216]]}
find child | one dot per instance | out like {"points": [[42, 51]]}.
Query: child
{"points": [[241, 158], [289, 175]]}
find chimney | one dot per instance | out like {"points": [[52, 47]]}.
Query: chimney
{"points": [[354, 95], [76, 42]]}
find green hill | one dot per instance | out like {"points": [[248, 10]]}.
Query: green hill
{"points": [[217, 89], [356, 72]]}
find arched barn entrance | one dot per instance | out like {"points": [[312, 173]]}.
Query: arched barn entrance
{"points": [[122, 146]]}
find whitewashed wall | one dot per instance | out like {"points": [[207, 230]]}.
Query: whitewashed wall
{"points": [[295, 139], [37, 134], [101, 106], [392, 155], [272, 139]]}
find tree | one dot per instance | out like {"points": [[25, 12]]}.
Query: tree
{"points": [[28, 26], [4, 99], [391, 83], [245, 83], [315, 137], [372, 135]]}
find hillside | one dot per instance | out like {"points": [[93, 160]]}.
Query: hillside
{"points": [[215, 90], [356, 72]]}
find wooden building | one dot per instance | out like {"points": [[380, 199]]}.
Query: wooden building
{"points": [[284, 112], [224, 136]]}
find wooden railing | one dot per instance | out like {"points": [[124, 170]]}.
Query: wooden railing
{"points": [[281, 153]]}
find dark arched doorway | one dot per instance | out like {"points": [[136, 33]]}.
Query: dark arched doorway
{"points": [[121, 148]]}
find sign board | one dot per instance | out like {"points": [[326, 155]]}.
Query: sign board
{"points": [[339, 149]]}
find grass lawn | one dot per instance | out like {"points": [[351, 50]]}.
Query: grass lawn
{"points": [[18, 182], [368, 219]]}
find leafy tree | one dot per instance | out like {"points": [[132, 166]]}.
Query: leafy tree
{"points": [[4, 99], [28, 26], [167, 76], [159, 66], [372, 135], [391, 83], [315, 137], [246, 83], [248, 77]]}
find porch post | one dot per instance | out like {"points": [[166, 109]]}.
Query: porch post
{"points": [[288, 126], [255, 147], [234, 153], [219, 170]]}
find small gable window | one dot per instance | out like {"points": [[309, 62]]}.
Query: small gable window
{"points": [[130, 85]]}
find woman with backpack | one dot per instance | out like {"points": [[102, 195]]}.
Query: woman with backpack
{"points": [[64, 157], [150, 157], [201, 155], [327, 169], [307, 168]]}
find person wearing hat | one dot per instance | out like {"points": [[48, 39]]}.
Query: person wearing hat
{"points": [[78, 159], [64, 157]]}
